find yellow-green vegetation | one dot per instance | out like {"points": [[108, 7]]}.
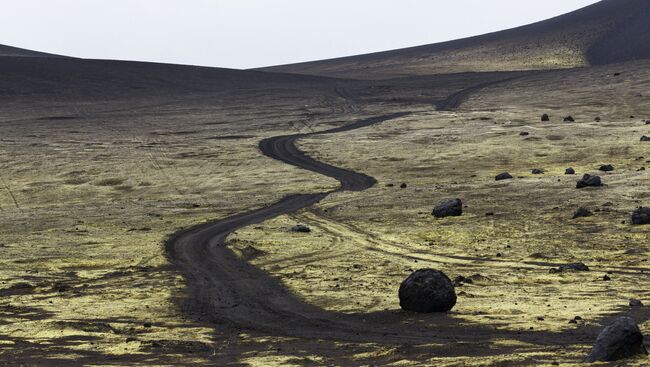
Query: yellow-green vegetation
{"points": [[512, 233], [90, 191], [86, 204]]}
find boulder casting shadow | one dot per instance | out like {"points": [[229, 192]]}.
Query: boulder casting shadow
{"points": [[427, 290]]}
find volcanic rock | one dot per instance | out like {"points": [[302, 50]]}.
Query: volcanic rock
{"points": [[641, 216], [503, 176], [582, 212], [448, 208], [589, 181], [427, 290], [621, 339]]}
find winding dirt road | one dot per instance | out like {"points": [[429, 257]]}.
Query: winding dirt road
{"points": [[225, 290]]}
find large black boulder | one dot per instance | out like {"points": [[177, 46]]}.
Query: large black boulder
{"points": [[641, 216], [503, 176], [300, 228], [427, 290], [621, 339], [448, 208], [589, 181]]}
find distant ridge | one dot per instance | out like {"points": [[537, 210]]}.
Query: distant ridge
{"points": [[606, 32], [21, 52]]}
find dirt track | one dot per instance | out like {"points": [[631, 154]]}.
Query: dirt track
{"points": [[225, 290]]}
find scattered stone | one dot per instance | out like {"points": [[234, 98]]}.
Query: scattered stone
{"points": [[645, 138], [641, 216], [606, 168], [147, 324], [606, 278], [641, 169], [403, 186], [537, 171], [582, 212], [524, 133], [460, 280], [478, 278], [390, 185], [503, 176], [569, 171], [621, 339], [545, 117], [589, 181], [489, 214], [635, 302], [647, 122], [540, 318], [448, 208], [569, 119], [427, 290], [617, 74], [301, 228], [569, 268], [597, 119]]}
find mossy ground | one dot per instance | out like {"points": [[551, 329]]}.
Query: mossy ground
{"points": [[87, 203]]}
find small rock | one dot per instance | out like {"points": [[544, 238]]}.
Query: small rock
{"points": [[635, 302], [403, 186], [622, 339], [582, 212], [569, 171], [427, 290], [545, 117], [503, 176], [606, 168], [301, 228], [645, 138], [597, 119], [569, 268], [606, 278], [390, 185], [461, 280], [589, 181], [569, 119], [641, 216], [448, 208], [537, 171], [147, 324]]}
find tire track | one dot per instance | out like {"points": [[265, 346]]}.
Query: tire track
{"points": [[224, 290]]}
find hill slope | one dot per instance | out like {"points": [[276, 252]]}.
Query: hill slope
{"points": [[9, 51], [608, 31]]}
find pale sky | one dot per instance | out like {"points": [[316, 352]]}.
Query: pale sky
{"points": [[252, 33]]}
